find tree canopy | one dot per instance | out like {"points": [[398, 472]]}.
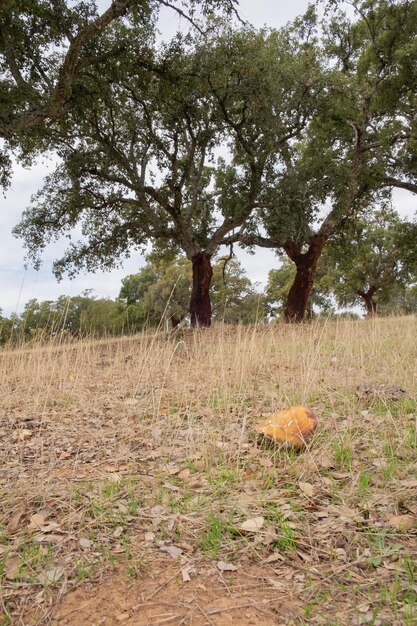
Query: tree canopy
{"points": [[48, 48], [138, 150], [371, 261], [358, 142], [161, 291], [225, 135]]}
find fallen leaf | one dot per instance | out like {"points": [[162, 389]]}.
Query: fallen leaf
{"points": [[184, 474], [171, 487], [85, 543], [49, 527], [307, 489], [403, 523], [253, 525], [50, 538], [51, 575], [172, 551], [12, 567], [37, 521], [39, 598], [149, 536], [157, 510], [226, 567], [273, 558], [267, 537], [118, 532], [14, 522], [325, 461]]}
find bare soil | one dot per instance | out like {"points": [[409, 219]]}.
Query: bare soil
{"points": [[128, 467]]}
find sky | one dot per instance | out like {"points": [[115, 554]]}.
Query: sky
{"points": [[18, 285]]}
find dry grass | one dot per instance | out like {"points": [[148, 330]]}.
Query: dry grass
{"points": [[143, 445]]}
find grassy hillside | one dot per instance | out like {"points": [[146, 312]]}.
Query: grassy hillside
{"points": [[127, 467]]}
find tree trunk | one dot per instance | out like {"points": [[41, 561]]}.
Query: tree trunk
{"points": [[200, 305], [306, 264], [370, 303], [176, 321]]}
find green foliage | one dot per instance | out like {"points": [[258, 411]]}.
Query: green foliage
{"points": [[49, 52], [312, 120], [139, 152], [234, 298], [137, 158], [358, 137], [161, 290], [6, 328], [373, 260], [67, 317], [279, 284], [401, 301]]}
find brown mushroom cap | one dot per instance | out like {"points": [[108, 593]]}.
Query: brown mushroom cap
{"points": [[294, 426]]}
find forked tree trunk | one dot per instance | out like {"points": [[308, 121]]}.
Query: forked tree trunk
{"points": [[200, 305], [370, 303], [306, 265]]}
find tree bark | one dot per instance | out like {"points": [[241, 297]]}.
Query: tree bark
{"points": [[306, 264], [200, 305], [176, 321], [370, 303]]}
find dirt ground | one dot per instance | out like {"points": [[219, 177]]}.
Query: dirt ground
{"points": [[129, 466], [253, 595]]}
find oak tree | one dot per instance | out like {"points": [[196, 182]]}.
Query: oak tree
{"points": [[372, 260], [49, 47], [138, 150]]}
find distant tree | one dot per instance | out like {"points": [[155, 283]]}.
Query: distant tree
{"points": [[6, 327], [235, 299], [38, 316], [76, 316], [403, 301], [372, 261], [52, 317], [160, 291], [102, 317]]}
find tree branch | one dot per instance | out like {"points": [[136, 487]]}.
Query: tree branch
{"points": [[390, 181]]}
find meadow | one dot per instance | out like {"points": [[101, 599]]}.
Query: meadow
{"points": [[128, 467]]}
